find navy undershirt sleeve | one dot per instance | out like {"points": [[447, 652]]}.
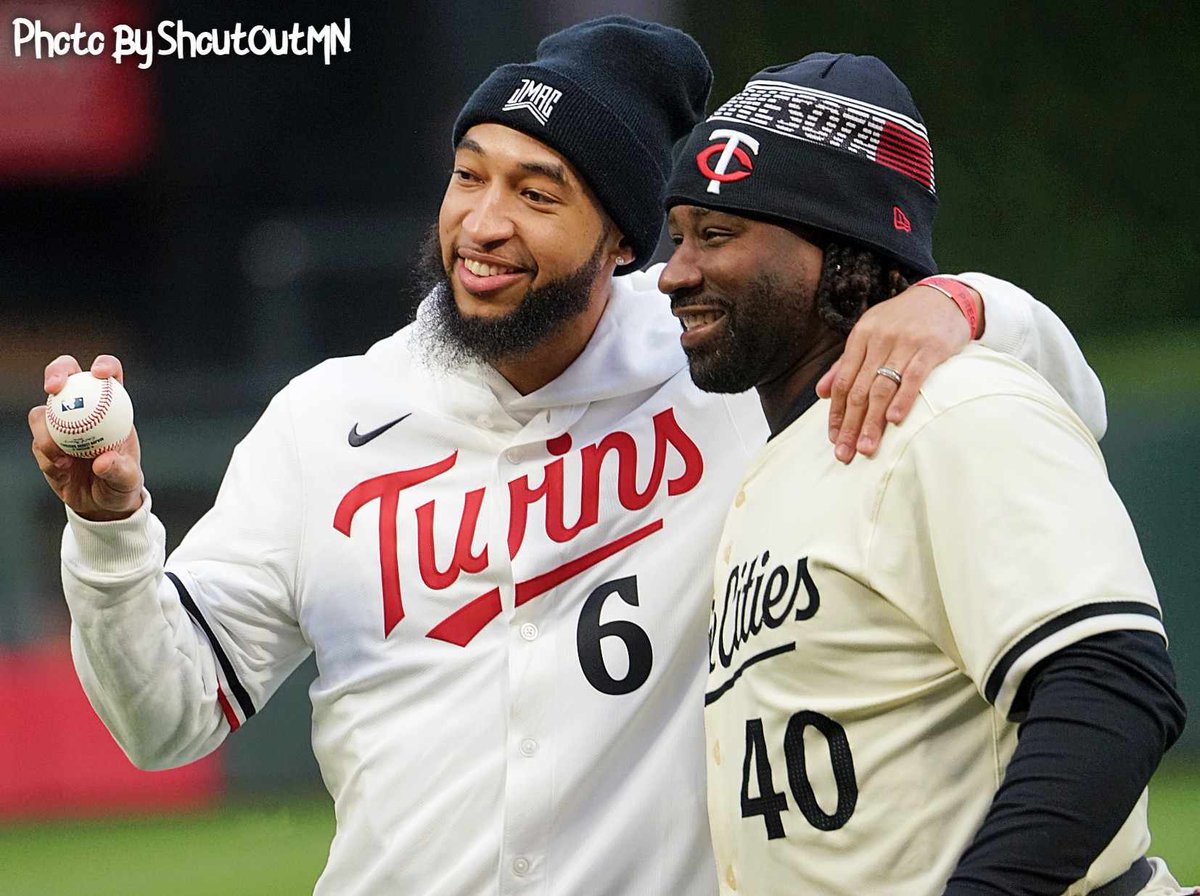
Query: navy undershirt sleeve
{"points": [[1097, 718]]}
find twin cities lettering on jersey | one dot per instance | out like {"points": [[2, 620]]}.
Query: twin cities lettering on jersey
{"points": [[757, 596], [548, 488]]}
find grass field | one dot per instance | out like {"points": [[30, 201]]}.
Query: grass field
{"points": [[255, 850]]}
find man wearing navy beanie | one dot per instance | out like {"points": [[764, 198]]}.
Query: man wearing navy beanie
{"points": [[977, 574], [494, 529]]}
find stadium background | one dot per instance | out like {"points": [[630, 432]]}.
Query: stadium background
{"points": [[224, 223]]}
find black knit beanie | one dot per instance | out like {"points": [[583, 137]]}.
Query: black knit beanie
{"points": [[612, 95], [833, 141]]}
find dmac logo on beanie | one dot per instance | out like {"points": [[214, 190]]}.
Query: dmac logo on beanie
{"points": [[612, 95]]}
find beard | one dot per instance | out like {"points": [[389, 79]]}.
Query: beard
{"points": [[756, 339], [455, 338]]}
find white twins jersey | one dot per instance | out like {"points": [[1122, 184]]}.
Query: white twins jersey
{"points": [[506, 597], [872, 622]]}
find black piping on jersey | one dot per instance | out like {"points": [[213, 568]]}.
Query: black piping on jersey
{"points": [[235, 686], [1057, 624], [714, 696]]}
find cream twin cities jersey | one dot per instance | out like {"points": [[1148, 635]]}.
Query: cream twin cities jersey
{"points": [[506, 596], [872, 622]]}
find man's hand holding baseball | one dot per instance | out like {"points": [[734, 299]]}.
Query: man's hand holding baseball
{"points": [[105, 488]]}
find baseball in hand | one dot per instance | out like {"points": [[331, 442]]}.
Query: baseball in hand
{"points": [[89, 416]]}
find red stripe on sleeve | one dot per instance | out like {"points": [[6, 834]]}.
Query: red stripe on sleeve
{"points": [[230, 715]]}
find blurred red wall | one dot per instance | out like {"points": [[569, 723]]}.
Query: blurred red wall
{"points": [[73, 118], [56, 758]]}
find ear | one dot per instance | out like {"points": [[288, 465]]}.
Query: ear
{"points": [[624, 251]]}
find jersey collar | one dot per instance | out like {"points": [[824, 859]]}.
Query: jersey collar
{"points": [[805, 399]]}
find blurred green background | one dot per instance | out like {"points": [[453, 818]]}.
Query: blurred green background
{"points": [[258, 215]]}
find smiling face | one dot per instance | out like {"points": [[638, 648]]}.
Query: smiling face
{"points": [[517, 217], [744, 292]]}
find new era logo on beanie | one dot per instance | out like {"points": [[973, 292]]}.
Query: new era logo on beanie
{"points": [[833, 142], [612, 95]]}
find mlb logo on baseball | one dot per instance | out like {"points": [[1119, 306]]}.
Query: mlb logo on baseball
{"points": [[536, 98]]}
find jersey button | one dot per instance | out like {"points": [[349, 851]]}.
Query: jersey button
{"points": [[520, 866], [513, 455], [730, 877], [740, 499], [529, 631], [484, 422], [529, 746]]}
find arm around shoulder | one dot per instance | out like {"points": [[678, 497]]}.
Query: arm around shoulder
{"points": [[1017, 324]]}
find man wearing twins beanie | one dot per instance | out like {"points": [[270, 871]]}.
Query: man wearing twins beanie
{"points": [[978, 573]]}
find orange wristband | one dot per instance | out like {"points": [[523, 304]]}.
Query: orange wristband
{"points": [[958, 293]]}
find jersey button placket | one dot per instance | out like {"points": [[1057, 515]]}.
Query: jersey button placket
{"points": [[529, 803]]}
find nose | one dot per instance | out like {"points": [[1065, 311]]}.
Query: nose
{"points": [[681, 272], [488, 221]]}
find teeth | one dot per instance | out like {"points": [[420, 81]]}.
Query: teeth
{"points": [[479, 269], [692, 319]]}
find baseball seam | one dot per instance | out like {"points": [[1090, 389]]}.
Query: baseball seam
{"points": [[80, 426]]}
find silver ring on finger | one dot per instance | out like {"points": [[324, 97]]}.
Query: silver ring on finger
{"points": [[891, 373]]}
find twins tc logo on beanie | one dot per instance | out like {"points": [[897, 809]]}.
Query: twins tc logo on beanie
{"points": [[727, 150], [833, 142]]}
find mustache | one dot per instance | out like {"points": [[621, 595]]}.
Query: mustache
{"points": [[680, 301]]}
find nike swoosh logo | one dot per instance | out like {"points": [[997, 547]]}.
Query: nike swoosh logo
{"points": [[357, 439]]}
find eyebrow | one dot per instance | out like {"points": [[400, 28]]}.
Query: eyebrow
{"points": [[469, 144], [550, 170], [701, 212]]}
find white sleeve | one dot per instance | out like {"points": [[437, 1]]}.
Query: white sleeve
{"points": [[1019, 325], [175, 658]]}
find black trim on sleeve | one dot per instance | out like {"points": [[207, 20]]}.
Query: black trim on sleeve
{"points": [[1057, 624], [1101, 713], [235, 686]]}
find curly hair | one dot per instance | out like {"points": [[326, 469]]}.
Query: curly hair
{"points": [[853, 279]]}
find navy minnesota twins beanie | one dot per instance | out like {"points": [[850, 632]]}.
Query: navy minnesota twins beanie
{"points": [[833, 142], [612, 95]]}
